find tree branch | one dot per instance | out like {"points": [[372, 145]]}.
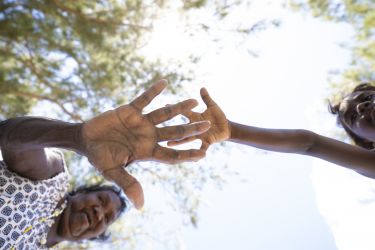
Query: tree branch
{"points": [[74, 117]]}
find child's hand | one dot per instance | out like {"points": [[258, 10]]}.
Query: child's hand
{"points": [[219, 130]]}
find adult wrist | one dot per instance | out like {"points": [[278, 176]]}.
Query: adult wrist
{"points": [[80, 145]]}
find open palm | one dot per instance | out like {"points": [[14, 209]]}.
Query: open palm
{"points": [[117, 137], [219, 129]]}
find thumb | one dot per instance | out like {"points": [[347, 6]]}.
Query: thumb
{"points": [[207, 98], [128, 183]]}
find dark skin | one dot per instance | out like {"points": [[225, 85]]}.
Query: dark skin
{"points": [[118, 137], [357, 110], [87, 215], [110, 141]]}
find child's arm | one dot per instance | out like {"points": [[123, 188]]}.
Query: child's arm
{"points": [[296, 141]]}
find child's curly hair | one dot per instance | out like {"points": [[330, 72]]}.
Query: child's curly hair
{"points": [[334, 109]]}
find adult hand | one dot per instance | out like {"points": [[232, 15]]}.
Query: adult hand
{"points": [[219, 130], [117, 137]]}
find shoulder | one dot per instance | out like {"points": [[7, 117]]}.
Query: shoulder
{"points": [[37, 165], [57, 160], [56, 164]]}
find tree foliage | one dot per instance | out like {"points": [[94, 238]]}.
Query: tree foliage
{"points": [[79, 55], [82, 56], [360, 14]]}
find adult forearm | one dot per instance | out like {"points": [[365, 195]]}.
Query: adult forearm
{"points": [[27, 133], [279, 140]]}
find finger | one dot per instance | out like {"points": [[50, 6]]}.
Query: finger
{"points": [[166, 113], [207, 98], [128, 183], [204, 145], [186, 140], [172, 156], [146, 97], [188, 113], [180, 132]]}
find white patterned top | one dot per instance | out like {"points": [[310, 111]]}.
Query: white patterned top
{"points": [[23, 203]]}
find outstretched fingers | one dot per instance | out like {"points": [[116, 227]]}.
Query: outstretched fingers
{"points": [[179, 132], [146, 97], [207, 98], [128, 183], [173, 156], [205, 145], [179, 142], [166, 113]]}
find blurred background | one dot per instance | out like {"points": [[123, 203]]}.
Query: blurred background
{"points": [[269, 63]]}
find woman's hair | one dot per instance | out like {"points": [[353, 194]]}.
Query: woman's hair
{"points": [[102, 187], [334, 109]]}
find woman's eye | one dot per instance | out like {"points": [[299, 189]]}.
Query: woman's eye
{"points": [[368, 98]]}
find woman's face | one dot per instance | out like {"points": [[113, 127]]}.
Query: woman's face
{"points": [[357, 112], [88, 215]]}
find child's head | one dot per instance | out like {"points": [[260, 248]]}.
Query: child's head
{"points": [[356, 114]]}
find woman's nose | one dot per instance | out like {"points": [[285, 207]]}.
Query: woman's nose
{"points": [[361, 107]]}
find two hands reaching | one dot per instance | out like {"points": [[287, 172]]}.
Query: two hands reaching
{"points": [[118, 137]]}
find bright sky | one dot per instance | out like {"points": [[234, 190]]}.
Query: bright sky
{"points": [[287, 202]]}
